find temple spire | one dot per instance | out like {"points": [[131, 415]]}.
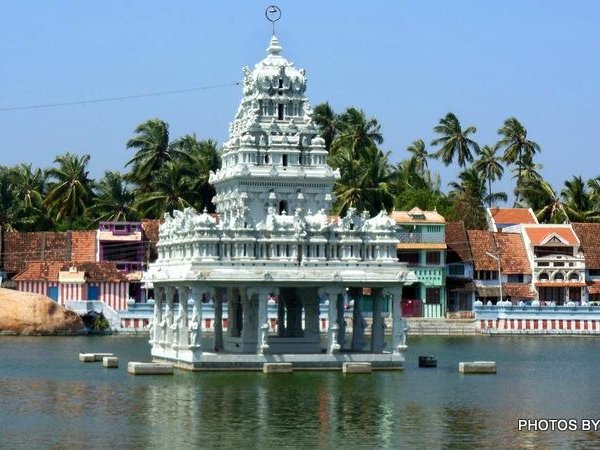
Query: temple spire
{"points": [[274, 46]]}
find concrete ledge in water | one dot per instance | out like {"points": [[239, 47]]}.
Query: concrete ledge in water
{"points": [[87, 357], [278, 368], [357, 367], [477, 367], [110, 361], [101, 356], [139, 368]]}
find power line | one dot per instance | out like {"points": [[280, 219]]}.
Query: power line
{"points": [[114, 99]]}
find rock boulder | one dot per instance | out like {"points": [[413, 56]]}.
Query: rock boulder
{"points": [[33, 314]]}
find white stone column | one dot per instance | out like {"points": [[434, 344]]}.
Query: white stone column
{"points": [[378, 325], [341, 320], [218, 325], [168, 322], [182, 318], [195, 324], [358, 321], [262, 293], [280, 316], [156, 337], [310, 299], [333, 293], [398, 324]]}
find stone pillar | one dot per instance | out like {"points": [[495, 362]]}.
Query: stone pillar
{"points": [[157, 337], [280, 316], [358, 321], [332, 293], [195, 325], [378, 325], [233, 300], [247, 316], [341, 320], [262, 345], [168, 322], [218, 325], [310, 299], [182, 317], [399, 326]]}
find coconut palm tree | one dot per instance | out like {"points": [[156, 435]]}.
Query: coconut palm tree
{"points": [[537, 194], [114, 199], [172, 190], [196, 159], [578, 201], [469, 196], [326, 121], [365, 182], [517, 148], [454, 141], [356, 131], [70, 191], [419, 155], [489, 164], [153, 151]]}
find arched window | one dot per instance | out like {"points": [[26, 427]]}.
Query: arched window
{"points": [[543, 276], [574, 276], [282, 206], [559, 276]]}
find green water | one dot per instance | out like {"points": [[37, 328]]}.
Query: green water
{"points": [[48, 399]]}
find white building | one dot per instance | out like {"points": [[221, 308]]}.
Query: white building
{"points": [[274, 240]]}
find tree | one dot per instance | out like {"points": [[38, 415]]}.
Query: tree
{"points": [[365, 181], [195, 160], [517, 148], [470, 195], [114, 200], [537, 194], [326, 121], [454, 141], [578, 201], [172, 190], [30, 188], [153, 151], [489, 164], [356, 132], [419, 155], [70, 192]]}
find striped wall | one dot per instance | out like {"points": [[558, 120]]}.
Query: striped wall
{"points": [[554, 326], [114, 295]]}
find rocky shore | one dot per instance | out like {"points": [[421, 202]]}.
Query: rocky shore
{"points": [[29, 314]]}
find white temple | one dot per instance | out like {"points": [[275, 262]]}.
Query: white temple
{"points": [[273, 240]]}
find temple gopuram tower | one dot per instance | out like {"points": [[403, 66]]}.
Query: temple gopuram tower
{"points": [[273, 262]]}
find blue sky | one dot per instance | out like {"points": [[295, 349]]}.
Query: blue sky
{"points": [[405, 63]]}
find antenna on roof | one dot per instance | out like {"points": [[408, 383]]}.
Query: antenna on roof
{"points": [[273, 14]]}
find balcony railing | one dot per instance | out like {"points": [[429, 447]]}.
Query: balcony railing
{"points": [[421, 238]]}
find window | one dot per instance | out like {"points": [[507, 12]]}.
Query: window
{"points": [[282, 206], [456, 269], [543, 276], [432, 295], [433, 258], [284, 159], [409, 257], [574, 276], [515, 278], [280, 111], [594, 272], [559, 276]]}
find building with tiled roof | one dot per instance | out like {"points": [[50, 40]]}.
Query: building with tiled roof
{"points": [[70, 281], [504, 256], [589, 236], [460, 290], [422, 245], [500, 218]]}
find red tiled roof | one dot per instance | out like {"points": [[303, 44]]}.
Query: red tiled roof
{"points": [[481, 242], [513, 256], [517, 291], [48, 271], [512, 216], [539, 234], [589, 235], [457, 242], [594, 287]]}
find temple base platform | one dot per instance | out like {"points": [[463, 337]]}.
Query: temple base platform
{"points": [[208, 361]]}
